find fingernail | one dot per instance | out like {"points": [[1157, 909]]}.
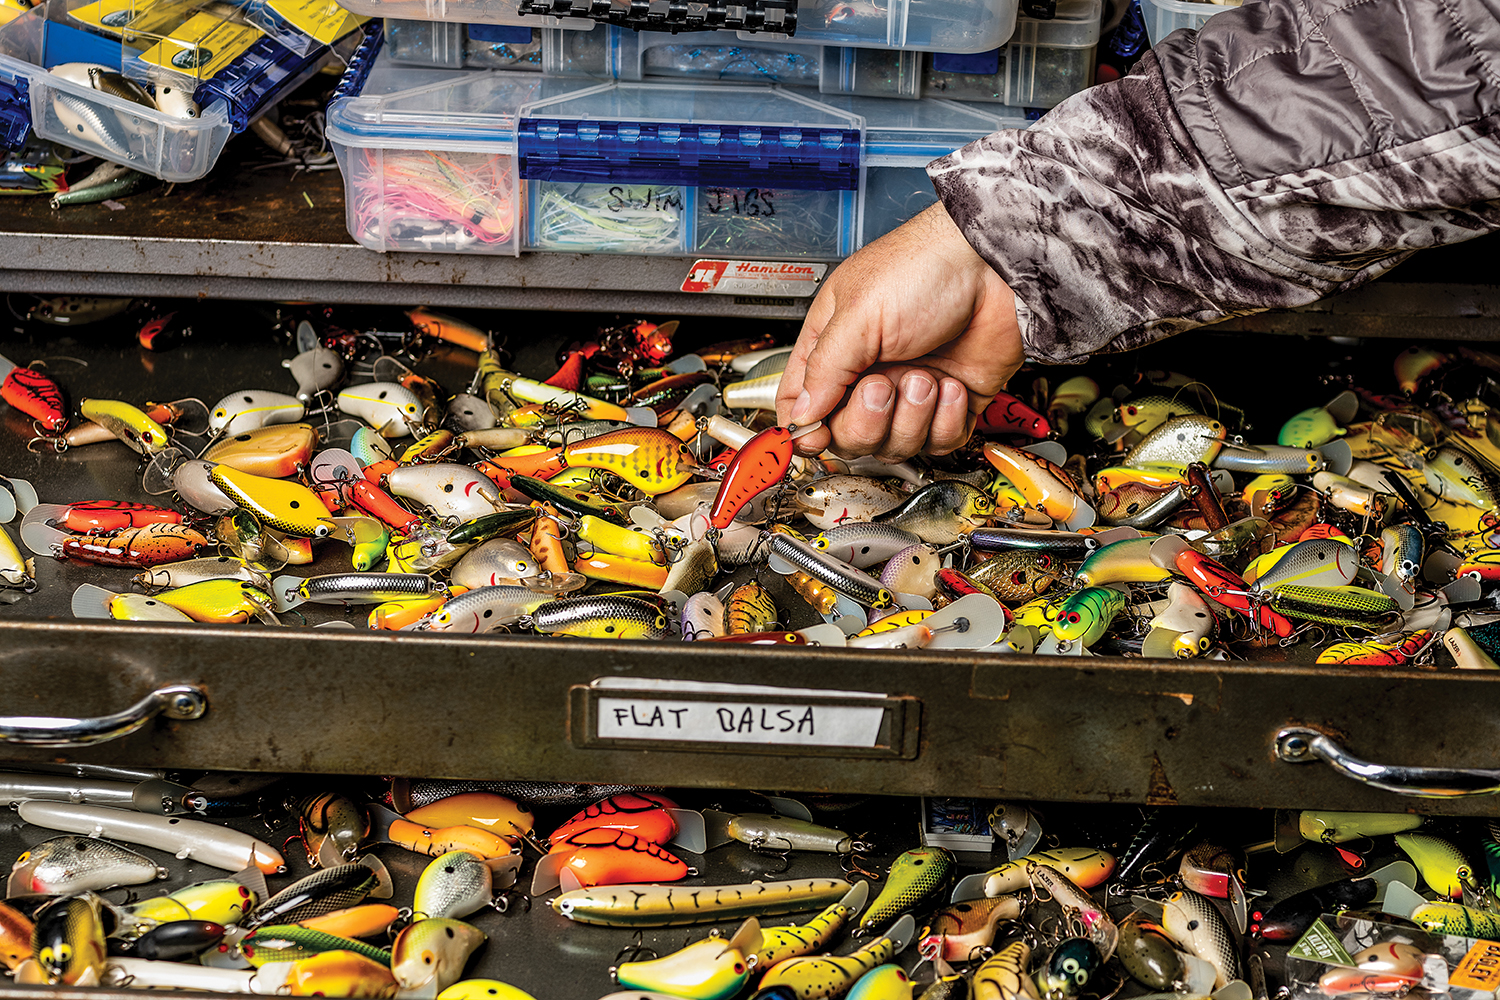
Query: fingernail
{"points": [[800, 408], [951, 392], [876, 396], [916, 388]]}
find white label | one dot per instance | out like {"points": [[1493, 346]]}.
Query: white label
{"points": [[754, 277], [729, 721]]}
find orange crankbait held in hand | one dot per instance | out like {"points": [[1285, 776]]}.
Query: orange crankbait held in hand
{"points": [[760, 464]]}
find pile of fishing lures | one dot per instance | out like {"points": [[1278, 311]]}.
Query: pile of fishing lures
{"points": [[1107, 901], [643, 492]]}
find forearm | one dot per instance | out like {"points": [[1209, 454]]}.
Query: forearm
{"points": [[1184, 194]]}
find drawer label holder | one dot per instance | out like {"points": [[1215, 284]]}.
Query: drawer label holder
{"points": [[663, 714]]}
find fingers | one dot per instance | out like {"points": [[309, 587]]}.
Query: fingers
{"points": [[790, 387], [844, 350], [898, 412]]}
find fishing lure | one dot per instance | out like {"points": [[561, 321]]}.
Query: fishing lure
{"points": [[35, 394], [433, 952], [1148, 955], [941, 513], [565, 498], [177, 940], [915, 877], [1008, 415], [795, 941], [293, 942], [600, 856], [458, 883], [1316, 562], [341, 974], [1085, 614], [712, 969], [16, 571], [648, 458], [1195, 924], [389, 407], [137, 430], [362, 921], [64, 866], [748, 610], [601, 618], [483, 989], [1004, 976], [815, 977], [1218, 582], [759, 464], [15, 936], [1068, 969], [446, 489], [218, 901], [220, 601], [1085, 867], [1288, 918], [68, 940], [286, 506], [332, 826], [959, 931], [844, 499], [1079, 907], [1350, 606], [1458, 920], [647, 815], [139, 548], [250, 409], [1045, 486], [1442, 866], [324, 891], [1389, 968], [1400, 649], [206, 842], [789, 554], [483, 609], [1137, 505], [647, 905], [499, 524], [787, 833]]}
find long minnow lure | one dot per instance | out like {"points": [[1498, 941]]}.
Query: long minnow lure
{"points": [[206, 842], [602, 617], [1335, 605], [1062, 544], [647, 905], [864, 545], [789, 554], [794, 941], [353, 588]]}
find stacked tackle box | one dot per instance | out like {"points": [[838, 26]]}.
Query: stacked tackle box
{"points": [[792, 129]]}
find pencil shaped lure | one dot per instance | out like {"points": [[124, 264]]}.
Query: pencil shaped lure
{"points": [[206, 842], [646, 905]]}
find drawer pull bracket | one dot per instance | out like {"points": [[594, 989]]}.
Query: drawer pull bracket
{"points": [[1300, 745], [175, 701]]}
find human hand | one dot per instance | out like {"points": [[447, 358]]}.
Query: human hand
{"points": [[921, 328]]}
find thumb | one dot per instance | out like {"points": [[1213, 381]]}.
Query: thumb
{"points": [[844, 351]]}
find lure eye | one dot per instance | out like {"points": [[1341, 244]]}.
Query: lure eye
{"points": [[1074, 618]]}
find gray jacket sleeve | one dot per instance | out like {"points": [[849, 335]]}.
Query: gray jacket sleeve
{"points": [[1288, 150]]}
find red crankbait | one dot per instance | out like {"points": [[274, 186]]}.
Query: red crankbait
{"points": [[35, 395], [1008, 415], [760, 464], [94, 516], [140, 548], [640, 813], [1228, 588]]}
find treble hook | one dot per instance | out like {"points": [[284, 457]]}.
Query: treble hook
{"points": [[851, 865], [758, 846]]}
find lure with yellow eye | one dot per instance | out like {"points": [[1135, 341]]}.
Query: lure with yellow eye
{"points": [[275, 452], [126, 422], [340, 974], [219, 601], [68, 940], [389, 407], [396, 615], [286, 506], [249, 409], [648, 458], [712, 969], [618, 569]]}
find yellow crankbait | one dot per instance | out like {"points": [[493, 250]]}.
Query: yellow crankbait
{"points": [[648, 458], [222, 601], [277, 503], [128, 423]]}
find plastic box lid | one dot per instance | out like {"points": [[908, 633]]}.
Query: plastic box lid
{"points": [[689, 134], [901, 131], [1075, 26]]}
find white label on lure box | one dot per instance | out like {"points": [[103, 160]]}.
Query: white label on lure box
{"points": [[635, 709], [755, 277]]}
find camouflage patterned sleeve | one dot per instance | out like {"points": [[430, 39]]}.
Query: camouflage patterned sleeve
{"points": [[1175, 197]]}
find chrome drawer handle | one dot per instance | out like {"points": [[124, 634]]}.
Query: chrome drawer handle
{"points": [[175, 701], [1299, 745]]}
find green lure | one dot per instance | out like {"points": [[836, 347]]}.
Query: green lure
{"points": [[1311, 428], [1086, 614], [293, 942], [916, 877]]}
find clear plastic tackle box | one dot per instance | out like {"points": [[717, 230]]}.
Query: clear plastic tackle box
{"points": [[663, 168], [901, 138], [117, 90], [1163, 17], [610, 52], [1042, 64]]}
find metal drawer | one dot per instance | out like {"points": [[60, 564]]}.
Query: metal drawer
{"points": [[304, 700]]}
